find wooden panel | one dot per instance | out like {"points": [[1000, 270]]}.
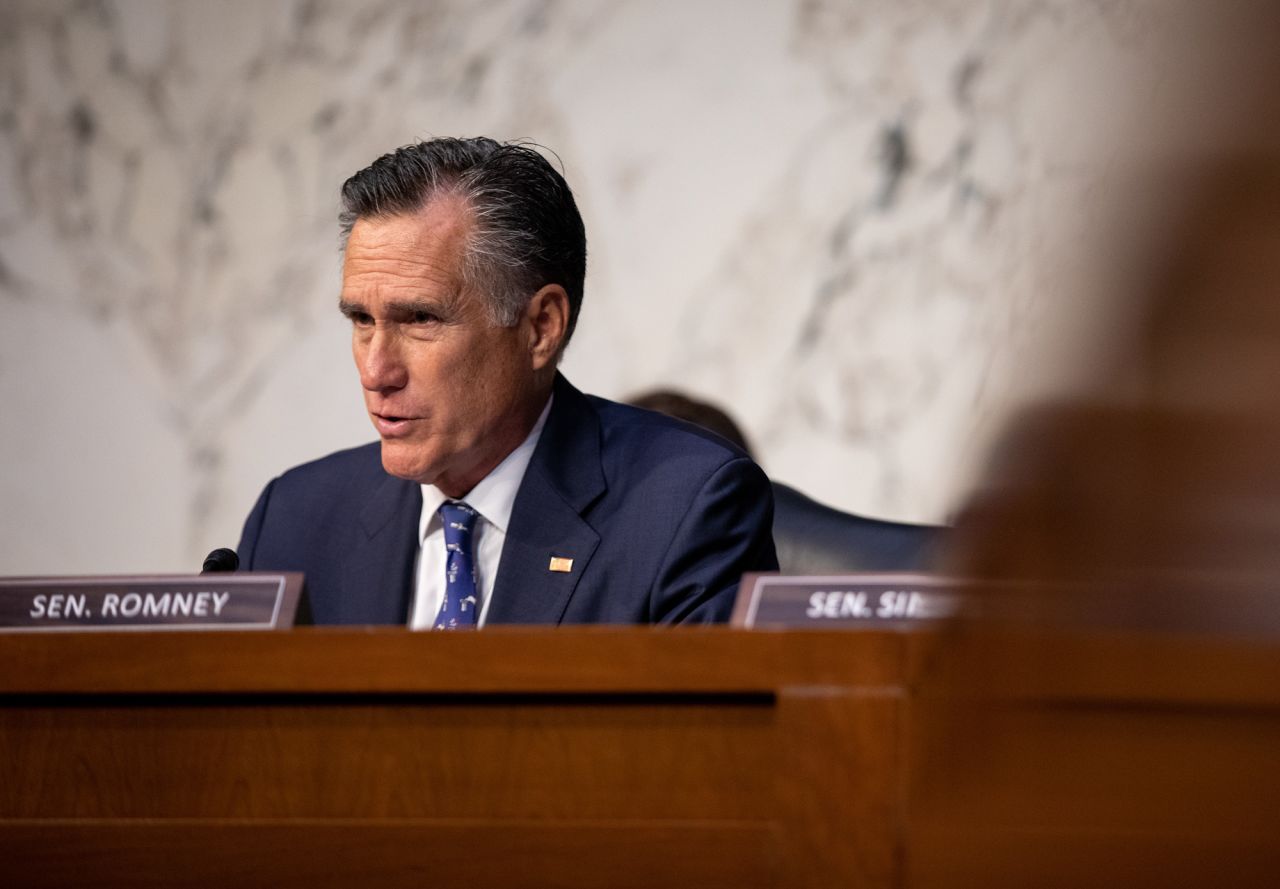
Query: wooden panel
{"points": [[652, 757], [500, 659], [839, 785], [1119, 668], [1126, 769], [318, 855], [505, 758], [658, 757], [1070, 859], [1098, 760]]}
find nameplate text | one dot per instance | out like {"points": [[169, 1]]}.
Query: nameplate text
{"points": [[850, 600], [250, 601]]}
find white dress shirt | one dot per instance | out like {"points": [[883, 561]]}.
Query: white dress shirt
{"points": [[492, 498]]}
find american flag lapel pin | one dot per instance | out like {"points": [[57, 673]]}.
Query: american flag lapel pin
{"points": [[560, 564]]}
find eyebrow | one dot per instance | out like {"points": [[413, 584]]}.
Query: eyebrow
{"points": [[400, 307], [410, 306]]}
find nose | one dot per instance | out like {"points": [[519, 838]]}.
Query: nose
{"points": [[380, 362]]}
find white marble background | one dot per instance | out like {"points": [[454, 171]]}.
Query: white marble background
{"points": [[835, 218]]}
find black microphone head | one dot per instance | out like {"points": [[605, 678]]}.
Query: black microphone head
{"points": [[221, 559]]}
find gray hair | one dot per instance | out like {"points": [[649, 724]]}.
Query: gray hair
{"points": [[527, 231]]}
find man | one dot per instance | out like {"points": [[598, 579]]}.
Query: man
{"points": [[498, 493]]}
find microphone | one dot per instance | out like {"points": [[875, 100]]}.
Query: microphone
{"points": [[221, 559]]}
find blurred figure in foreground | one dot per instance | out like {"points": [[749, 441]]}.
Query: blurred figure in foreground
{"points": [[812, 538], [1110, 715]]}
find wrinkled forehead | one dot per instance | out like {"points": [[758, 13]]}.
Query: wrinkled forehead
{"points": [[431, 242]]}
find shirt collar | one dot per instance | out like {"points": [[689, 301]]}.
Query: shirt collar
{"points": [[494, 496]]}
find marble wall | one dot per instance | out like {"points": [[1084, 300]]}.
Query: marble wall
{"points": [[836, 218]]}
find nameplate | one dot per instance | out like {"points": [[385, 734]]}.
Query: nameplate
{"points": [[250, 601], [861, 601]]}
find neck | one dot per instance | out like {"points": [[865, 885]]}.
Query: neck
{"points": [[513, 434]]}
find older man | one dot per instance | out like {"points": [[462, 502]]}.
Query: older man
{"points": [[498, 493]]}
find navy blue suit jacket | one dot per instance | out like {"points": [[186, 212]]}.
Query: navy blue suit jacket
{"points": [[659, 517]]}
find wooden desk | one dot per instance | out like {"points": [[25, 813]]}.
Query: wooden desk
{"points": [[579, 757], [636, 758], [1101, 759]]}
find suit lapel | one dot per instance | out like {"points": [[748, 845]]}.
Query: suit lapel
{"points": [[563, 479], [378, 571]]}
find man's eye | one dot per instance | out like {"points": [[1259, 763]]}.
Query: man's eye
{"points": [[360, 319], [424, 318]]}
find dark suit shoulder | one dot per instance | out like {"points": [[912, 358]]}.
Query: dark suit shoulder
{"points": [[348, 526], [648, 435], [310, 499], [359, 465], [678, 512]]}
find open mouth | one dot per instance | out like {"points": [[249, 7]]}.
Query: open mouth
{"points": [[391, 426]]}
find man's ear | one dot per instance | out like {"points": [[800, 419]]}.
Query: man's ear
{"points": [[548, 318]]}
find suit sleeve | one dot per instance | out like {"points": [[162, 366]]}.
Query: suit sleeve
{"points": [[727, 531], [253, 528]]}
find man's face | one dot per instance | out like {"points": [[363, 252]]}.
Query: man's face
{"points": [[449, 393]]}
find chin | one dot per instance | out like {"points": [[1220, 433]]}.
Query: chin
{"points": [[410, 467]]}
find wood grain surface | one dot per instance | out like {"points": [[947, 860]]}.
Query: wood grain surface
{"points": [[637, 757], [608, 757]]}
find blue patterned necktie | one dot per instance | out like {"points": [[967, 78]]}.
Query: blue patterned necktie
{"points": [[459, 608]]}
